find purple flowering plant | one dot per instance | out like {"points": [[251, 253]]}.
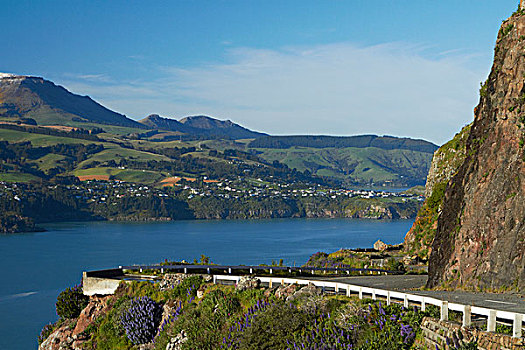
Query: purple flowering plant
{"points": [[141, 319]]}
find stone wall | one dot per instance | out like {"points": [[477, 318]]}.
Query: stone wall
{"points": [[436, 332], [103, 282]]}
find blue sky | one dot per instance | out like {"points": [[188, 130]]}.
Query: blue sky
{"points": [[404, 68]]}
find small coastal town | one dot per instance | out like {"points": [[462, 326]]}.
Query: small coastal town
{"points": [[100, 191]]}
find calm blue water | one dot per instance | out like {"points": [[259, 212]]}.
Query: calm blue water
{"points": [[37, 266]]}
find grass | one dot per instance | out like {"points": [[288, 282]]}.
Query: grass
{"points": [[17, 177], [115, 153], [359, 164], [49, 161], [39, 139], [128, 175]]}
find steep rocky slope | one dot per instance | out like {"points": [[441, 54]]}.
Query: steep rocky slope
{"points": [[445, 164], [479, 240]]}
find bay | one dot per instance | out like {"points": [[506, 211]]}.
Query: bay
{"points": [[37, 266]]}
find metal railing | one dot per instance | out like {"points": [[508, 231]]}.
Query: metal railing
{"points": [[271, 269], [492, 315], [392, 296]]}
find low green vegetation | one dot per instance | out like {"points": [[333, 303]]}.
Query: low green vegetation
{"points": [[194, 314], [70, 302]]}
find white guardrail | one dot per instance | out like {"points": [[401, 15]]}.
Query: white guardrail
{"points": [[467, 310]]}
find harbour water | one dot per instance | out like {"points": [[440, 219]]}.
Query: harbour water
{"points": [[37, 266]]}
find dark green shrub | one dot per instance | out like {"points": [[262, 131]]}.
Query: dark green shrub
{"points": [[46, 332], [274, 328], [71, 302]]}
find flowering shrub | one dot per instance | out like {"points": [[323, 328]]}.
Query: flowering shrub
{"points": [[243, 322], [70, 302], [388, 327], [46, 332], [324, 334], [273, 328], [141, 319]]}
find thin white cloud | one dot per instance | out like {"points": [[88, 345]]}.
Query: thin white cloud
{"points": [[96, 78], [338, 89]]}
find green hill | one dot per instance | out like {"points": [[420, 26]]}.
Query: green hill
{"points": [[36, 110]]}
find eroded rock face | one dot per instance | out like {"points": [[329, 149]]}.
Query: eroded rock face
{"points": [[61, 339], [97, 306], [480, 234]]}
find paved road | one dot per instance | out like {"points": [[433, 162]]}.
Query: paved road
{"points": [[409, 283]]}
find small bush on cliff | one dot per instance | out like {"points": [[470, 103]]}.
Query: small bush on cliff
{"points": [[46, 332], [70, 302], [141, 319], [274, 328]]}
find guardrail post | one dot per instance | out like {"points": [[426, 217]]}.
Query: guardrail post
{"points": [[270, 284], [214, 279], [289, 270], [388, 298], [208, 270], [348, 292], [467, 316], [161, 270], [405, 301], [374, 294], [140, 270], [185, 270], [336, 289], [491, 321], [360, 293], [517, 325], [312, 272], [230, 270], [444, 311], [347, 272], [271, 271], [423, 306], [251, 270]]}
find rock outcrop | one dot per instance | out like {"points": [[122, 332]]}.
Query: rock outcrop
{"points": [[480, 234], [445, 164]]}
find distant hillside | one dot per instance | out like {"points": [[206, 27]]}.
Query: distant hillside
{"points": [[202, 126], [361, 141], [50, 104], [42, 108], [154, 121]]}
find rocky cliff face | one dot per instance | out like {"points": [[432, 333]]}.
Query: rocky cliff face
{"points": [[445, 164], [480, 233]]}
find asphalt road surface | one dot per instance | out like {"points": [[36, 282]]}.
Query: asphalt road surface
{"points": [[411, 284]]}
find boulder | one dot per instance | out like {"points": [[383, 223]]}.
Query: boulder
{"points": [[305, 292], [380, 245], [248, 282], [284, 291]]}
